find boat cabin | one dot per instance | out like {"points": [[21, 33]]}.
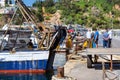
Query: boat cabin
{"points": [[16, 39]]}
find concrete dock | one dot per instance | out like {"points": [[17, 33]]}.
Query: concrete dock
{"points": [[77, 68]]}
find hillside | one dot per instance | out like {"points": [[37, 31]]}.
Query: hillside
{"points": [[91, 13]]}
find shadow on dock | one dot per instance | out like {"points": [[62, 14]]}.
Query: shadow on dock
{"points": [[98, 65]]}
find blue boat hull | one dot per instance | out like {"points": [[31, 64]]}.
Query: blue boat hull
{"points": [[23, 62], [23, 65]]}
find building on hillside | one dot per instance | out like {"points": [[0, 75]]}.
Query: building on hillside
{"points": [[7, 7], [7, 10], [4, 3]]}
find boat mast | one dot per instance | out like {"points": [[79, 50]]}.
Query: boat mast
{"points": [[29, 16]]}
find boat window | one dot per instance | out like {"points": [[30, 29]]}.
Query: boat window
{"points": [[12, 41], [22, 41]]}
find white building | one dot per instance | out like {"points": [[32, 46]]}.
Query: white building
{"points": [[6, 9], [2, 3]]}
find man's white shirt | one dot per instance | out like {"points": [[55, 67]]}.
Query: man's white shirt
{"points": [[110, 34], [88, 35]]}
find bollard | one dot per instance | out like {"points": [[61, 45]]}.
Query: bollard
{"points": [[60, 72], [67, 53], [60, 75]]}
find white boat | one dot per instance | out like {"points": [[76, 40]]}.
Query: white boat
{"points": [[16, 57]]}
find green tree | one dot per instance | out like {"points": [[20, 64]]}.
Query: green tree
{"points": [[38, 13], [92, 13], [49, 3]]}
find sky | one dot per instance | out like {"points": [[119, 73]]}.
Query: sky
{"points": [[29, 2]]}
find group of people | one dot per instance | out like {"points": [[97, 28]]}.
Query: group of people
{"points": [[93, 37]]}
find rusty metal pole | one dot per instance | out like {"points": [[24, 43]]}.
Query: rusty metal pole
{"points": [[76, 46], [111, 63], [103, 68], [67, 53], [60, 72]]}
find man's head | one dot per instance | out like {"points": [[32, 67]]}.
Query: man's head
{"points": [[30, 40], [89, 30], [106, 29], [95, 29]]}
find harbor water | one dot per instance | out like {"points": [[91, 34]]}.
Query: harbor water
{"points": [[58, 61], [25, 77]]}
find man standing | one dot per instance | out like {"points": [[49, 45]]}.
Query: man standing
{"points": [[105, 39], [96, 37], [88, 36], [110, 38]]}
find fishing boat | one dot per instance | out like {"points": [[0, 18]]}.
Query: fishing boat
{"points": [[17, 57]]}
